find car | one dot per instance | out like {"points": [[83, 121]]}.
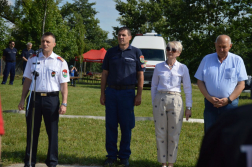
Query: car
{"points": [[153, 47]]}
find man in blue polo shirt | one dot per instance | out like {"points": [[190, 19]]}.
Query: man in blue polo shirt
{"points": [[122, 69], [26, 53], [9, 56], [221, 79]]}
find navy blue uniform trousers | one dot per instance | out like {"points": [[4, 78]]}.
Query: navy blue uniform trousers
{"points": [[48, 107], [9, 68], [119, 110]]}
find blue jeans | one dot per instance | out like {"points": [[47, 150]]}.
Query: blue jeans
{"points": [[211, 113], [119, 109], [9, 68]]}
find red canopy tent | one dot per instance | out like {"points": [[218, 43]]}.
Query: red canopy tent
{"points": [[94, 56]]}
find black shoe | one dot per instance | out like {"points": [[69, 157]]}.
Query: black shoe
{"points": [[3, 83], [124, 162], [52, 165], [10, 83], [109, 162]]}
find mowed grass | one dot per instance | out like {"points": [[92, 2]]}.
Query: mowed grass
{"points": [[82, 141]]}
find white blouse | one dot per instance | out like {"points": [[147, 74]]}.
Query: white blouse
{"points": [[166, 79]]}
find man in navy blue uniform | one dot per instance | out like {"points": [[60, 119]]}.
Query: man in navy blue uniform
{"points": [[122, 69], [26, 53], [9, 56]]}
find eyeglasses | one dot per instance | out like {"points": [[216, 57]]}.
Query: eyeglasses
{"points": [[169, 49]]}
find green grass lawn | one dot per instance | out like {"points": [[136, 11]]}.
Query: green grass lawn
{"points": [[82, 141]]}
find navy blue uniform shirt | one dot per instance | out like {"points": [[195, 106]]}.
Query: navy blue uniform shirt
{"points": [[25, 53], [122, 65], [10, 54]]}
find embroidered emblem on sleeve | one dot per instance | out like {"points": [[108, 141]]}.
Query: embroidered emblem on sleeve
{"points": [[60, 58], [53, 74], [142, 59], [64, 73]]}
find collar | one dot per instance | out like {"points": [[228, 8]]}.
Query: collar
{"points": [[53, 55], [129, 48], [176, 63], [224, 59]]}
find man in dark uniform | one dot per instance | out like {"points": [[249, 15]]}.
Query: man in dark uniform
{"points": [[26, 53], [122, 68], [9, 56], [53, 77]]}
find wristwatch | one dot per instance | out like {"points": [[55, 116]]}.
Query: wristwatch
{"points": [[64, 104], [188, 108], [229, 101]]}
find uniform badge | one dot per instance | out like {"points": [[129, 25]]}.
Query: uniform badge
{"points": [[64, 73], [142, 59], [53, 74]]}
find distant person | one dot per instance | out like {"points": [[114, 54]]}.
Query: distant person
{"points": [[9, 56], [221, 79], [53, 77], [121, 70], [26, 53], [167, 103], [73, 72]]}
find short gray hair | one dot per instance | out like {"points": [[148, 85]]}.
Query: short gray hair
{"points": [[29, 43]]}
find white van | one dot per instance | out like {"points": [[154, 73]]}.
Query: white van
{"points": [[153, 48]]}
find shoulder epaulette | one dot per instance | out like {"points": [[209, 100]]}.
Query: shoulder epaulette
{"points": [[33, 55], [60, 58]]}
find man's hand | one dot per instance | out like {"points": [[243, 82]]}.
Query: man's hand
{"points": [[62, 109], [102, 99], [138, 100], [21, 105], [188, 113], [221, 102]]}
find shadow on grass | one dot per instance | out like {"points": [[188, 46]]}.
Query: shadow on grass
{"points": [[67, 159]]}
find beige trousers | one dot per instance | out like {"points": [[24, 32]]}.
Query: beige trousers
{"points": [[168, 117]]}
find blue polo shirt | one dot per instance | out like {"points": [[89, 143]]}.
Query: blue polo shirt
{"points": [[10, 54], [25, 53], [122, 65], [221, 78]]}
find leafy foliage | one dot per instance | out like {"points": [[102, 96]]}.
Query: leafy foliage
{"points": [[196, 23]]}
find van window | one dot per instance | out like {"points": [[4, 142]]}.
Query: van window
{"points": [[153, 54]]}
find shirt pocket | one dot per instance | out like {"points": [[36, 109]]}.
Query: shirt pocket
{"points": [[53, 73], [35, 68], [129, 60], [230, 74]]}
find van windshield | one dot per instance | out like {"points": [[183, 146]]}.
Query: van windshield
{"points": [[153, 54]]}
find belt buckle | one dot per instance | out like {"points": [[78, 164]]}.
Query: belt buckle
{"points": [[43, 94]]}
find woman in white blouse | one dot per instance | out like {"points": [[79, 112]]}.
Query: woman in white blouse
{"points": [[167, 103]]}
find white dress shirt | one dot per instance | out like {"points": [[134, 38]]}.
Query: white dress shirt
{"points": [[52, 72], [166, 79]]}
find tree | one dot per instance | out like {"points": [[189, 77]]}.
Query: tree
{"points": [[196, 23], [4, 36], [29, 27]]}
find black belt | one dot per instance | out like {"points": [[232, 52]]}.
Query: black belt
{"points": [[122, 87], [47, 93]]}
